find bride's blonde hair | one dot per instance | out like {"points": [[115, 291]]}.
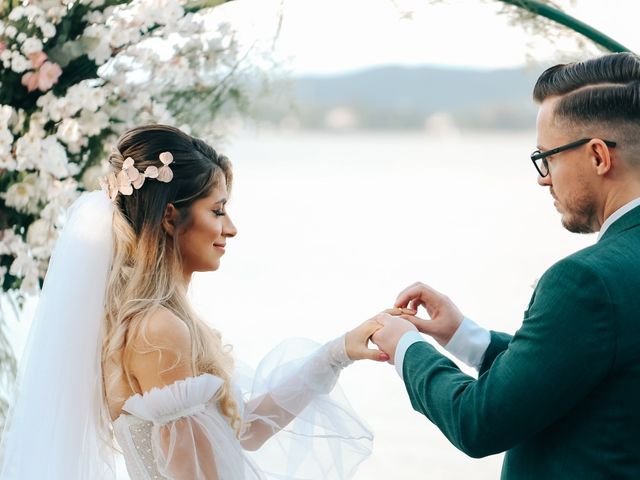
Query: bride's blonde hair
{"points": [[146, 270]]}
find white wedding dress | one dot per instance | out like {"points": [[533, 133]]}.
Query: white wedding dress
{"points": [[303, 426], [58, 427]]}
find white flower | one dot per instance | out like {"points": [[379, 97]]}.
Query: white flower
{"points": [[96, 41], [25, 266], [18, 120], [181, 53], [37, 12], [8, 162], [33, 180], [37, 121], [6, 144], [86, 96], [11, 243], [28, 149], [56, 13], [94, 16], [17, 13], [81, 96], [11, 31], [6, 141], [18, 195], [43, 266], [38, 232], [33, 152], [31, 45], [19, 63], [93, 123], [51, 106], [5, 56], [69, 132], [59, 196], [53, 158], [41, 237], [48, 30], [30, 283], [7, 116]]}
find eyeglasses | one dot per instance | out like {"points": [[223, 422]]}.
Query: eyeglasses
{"points": [[539, 158]]}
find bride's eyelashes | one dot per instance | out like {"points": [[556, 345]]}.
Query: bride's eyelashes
{"points": [[219, 213]]}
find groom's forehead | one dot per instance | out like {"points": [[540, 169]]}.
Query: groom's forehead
{"points": [[547, 125]]}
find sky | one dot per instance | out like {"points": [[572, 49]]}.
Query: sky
{"points": [[331, 36]]}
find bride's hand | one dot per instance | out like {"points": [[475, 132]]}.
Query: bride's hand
{"points": [[357, 340]]}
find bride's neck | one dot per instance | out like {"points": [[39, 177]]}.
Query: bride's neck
{"points": [[186, 278]]}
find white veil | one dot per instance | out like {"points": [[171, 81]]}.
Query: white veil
{"points": [[57, 427]]}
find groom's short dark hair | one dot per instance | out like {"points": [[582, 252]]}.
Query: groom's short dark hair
{"points": [[602, 92]]}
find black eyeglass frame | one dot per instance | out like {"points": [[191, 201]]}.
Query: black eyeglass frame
{"points": [[538, 155]]}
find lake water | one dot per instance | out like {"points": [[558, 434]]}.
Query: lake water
{"points": [[332, 227]]}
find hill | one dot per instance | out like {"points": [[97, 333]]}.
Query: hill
{"points": [[403, 98]]}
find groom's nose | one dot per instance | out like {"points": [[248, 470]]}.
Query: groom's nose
{"points": [[544, 181]]}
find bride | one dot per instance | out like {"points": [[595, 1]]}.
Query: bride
{"points": [[116, 350]]}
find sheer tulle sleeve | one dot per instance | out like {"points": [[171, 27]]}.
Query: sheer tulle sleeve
{"points": [[297, 420], [297, 424], [190, 439]]}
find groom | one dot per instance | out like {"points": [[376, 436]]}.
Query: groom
{"points": [[561, 396]]}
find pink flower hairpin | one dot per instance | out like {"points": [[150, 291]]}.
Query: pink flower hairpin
{"points": [[130, 178]]}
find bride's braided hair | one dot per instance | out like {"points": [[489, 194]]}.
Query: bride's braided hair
{"points": [[146, 261]]}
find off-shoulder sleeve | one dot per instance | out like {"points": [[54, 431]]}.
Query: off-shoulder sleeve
{"points": [[309, 429], [190, 439]]}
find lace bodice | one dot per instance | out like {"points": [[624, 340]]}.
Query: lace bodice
{"points": [[294, 419]]}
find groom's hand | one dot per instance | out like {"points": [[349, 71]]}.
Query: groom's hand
{"points": [[357, 340], [445, 316], [389, 334]]}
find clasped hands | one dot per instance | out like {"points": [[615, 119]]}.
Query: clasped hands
{"points": [[387, 328]]}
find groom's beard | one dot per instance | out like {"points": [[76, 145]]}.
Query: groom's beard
{"points": [[578, 212]]}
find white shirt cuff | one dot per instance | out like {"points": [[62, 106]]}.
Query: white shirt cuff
{"points": [[405, 342], [469, 343]]}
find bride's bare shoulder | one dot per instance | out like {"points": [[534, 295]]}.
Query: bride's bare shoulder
{"points": [[160, 349], [160, 326]]}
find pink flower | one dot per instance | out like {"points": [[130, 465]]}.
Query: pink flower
{"points": [[3, 47], [44, 78], [49, 75], [30, 80], [37, 59]]}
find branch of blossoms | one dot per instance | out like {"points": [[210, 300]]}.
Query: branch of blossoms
{"points": [[69, 90], [74, 74]]}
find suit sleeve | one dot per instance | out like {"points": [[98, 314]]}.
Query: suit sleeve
{"points": [[529, 382], [499, 343]]}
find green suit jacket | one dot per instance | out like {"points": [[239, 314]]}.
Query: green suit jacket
{"points": [[562, 396]]}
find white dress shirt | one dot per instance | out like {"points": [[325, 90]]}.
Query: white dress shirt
{"points": [[470, 341], [468, 344], [617, 214]]}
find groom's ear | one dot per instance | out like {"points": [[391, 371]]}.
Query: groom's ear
{"points": [[169, 219]]}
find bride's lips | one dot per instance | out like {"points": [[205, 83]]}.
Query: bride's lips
{"points": [[219, 246]]}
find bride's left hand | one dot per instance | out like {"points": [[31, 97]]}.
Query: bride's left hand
{"points": [[357, 340]]}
